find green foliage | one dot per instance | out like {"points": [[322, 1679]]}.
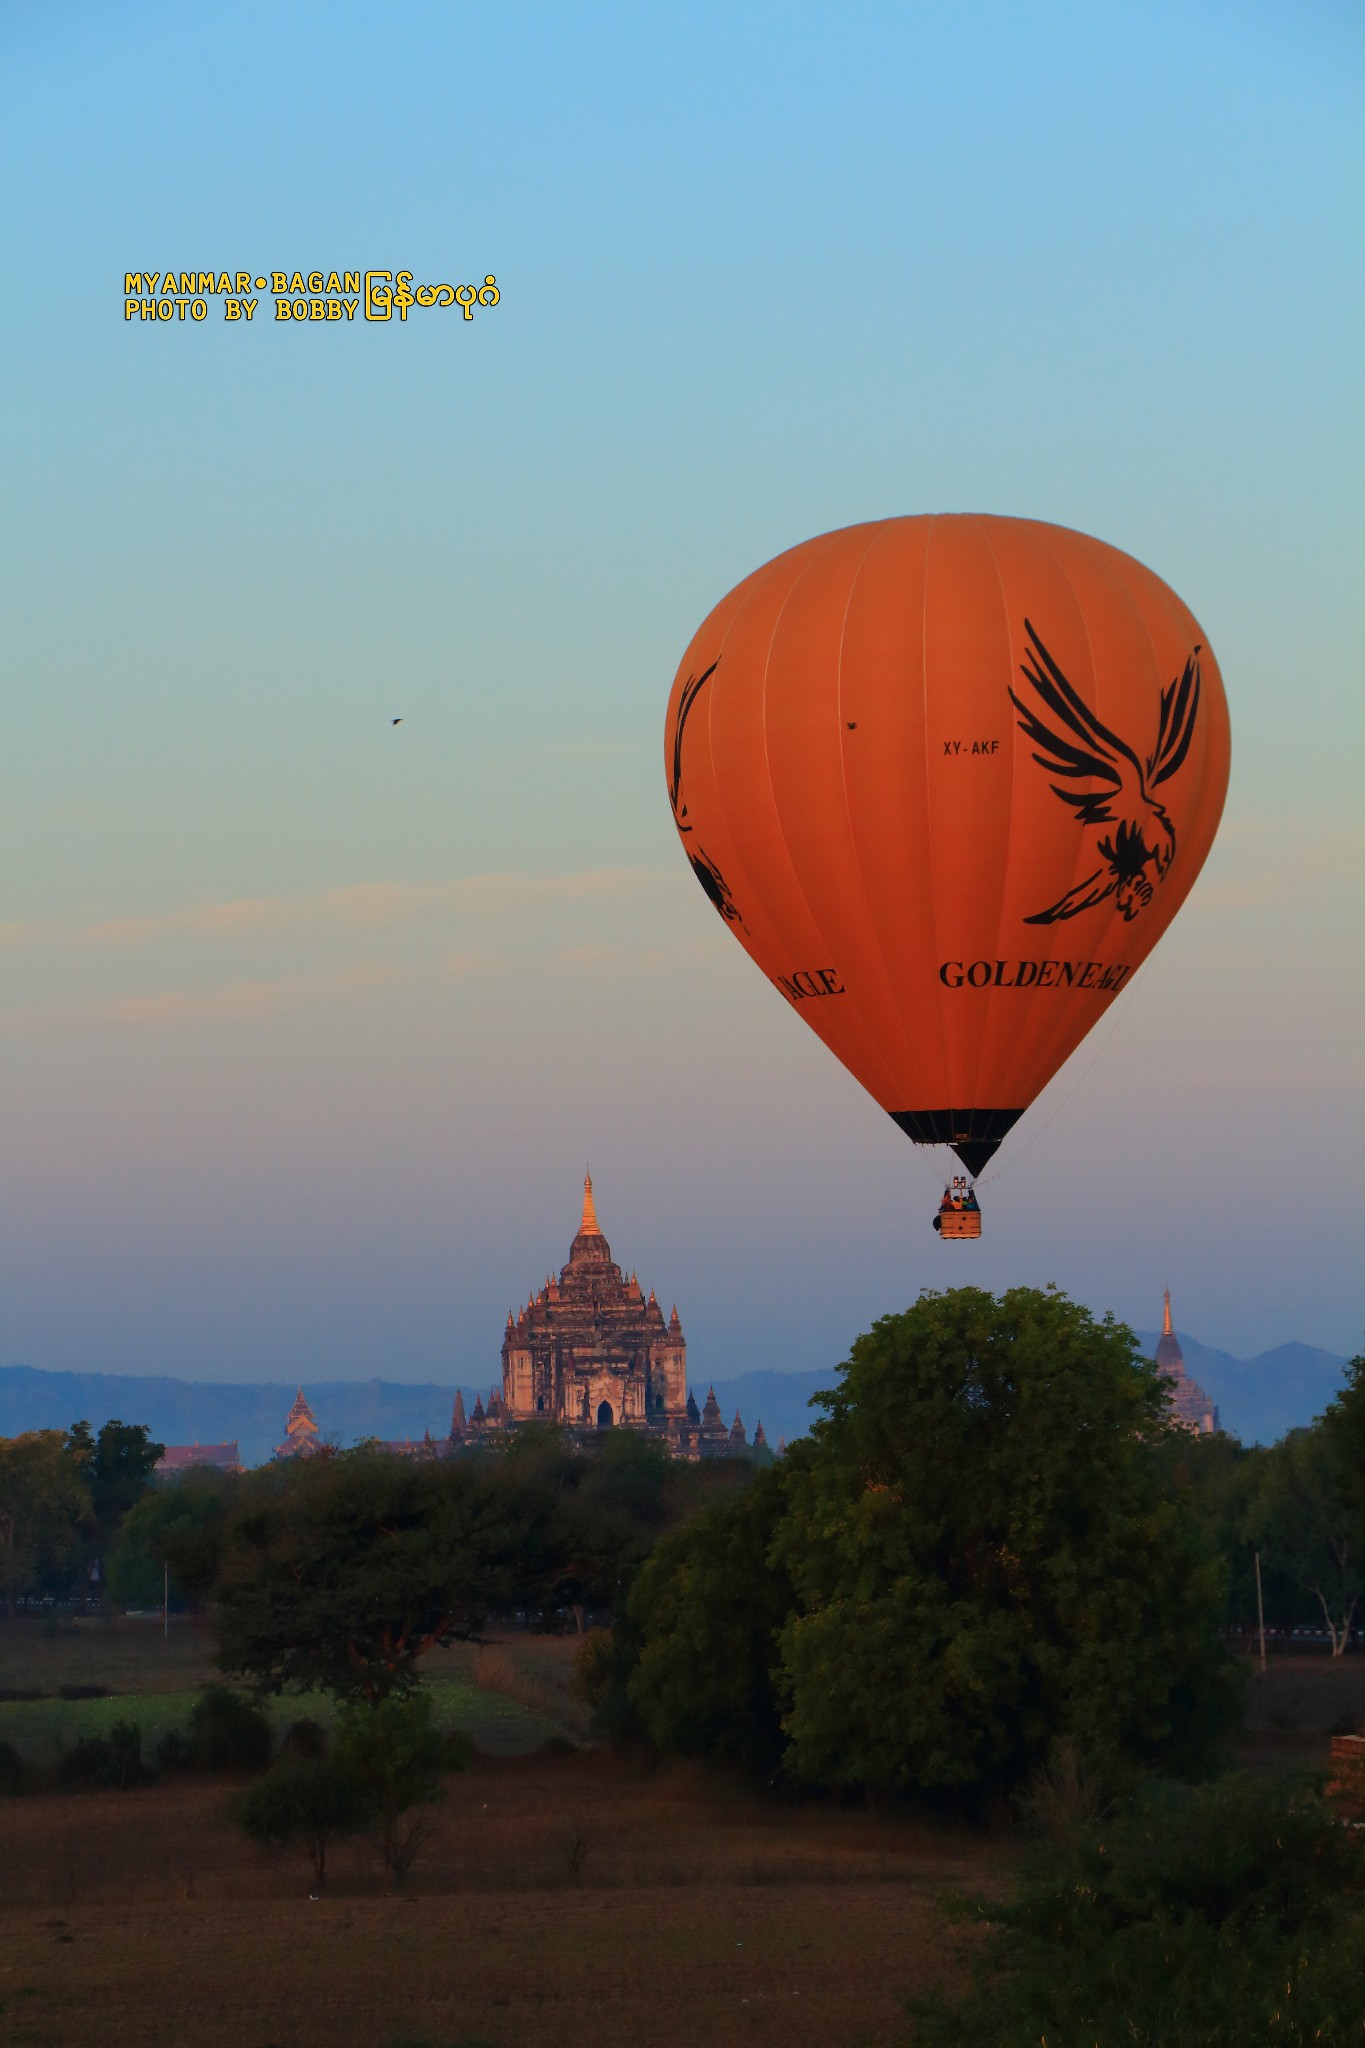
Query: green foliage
{"points": [[458, 1749], [987, 1555], [983, 1556], [341, 1573], [601, 1676], [704, 1616], [1344, 1424], [392, 1756], [174, 1751], [45, 1512], [117, 1468], [302, 1801], [1219, 1917], [228, 1732], [304, 1738], [180, 1522], [113, 1760], [1218, 1478], [1303, 1520]]}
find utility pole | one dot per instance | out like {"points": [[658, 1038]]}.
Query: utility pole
{"points": [[1260, 1608], [166, 1602]]}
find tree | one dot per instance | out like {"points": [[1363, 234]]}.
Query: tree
{"points": [[44, 1511], [987, 1556], [703, 1622], [303, 1802], [1223, 1915], [392, 1756], [117, 1467], [585, 1524], [612, 1519], [228, 1731], [177, 1523], [1304, 1521], [342, 1572], [1344, 1424]]}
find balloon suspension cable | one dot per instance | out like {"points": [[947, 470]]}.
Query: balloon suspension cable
{"points": [[1120, 1011]]}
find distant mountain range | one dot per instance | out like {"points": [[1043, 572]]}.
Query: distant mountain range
{"points": [[1258, 1399]]}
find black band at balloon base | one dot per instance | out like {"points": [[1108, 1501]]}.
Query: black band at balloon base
{"points": [[974, 1134]]}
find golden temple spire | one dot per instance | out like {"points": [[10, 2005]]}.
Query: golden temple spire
{"points": [[589, 1227], [1166, 1330]]}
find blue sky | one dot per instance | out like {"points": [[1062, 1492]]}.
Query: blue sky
{"points": [[307, 1022]]}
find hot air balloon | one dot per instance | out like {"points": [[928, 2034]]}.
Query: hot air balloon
{"points": [[947, 780]]}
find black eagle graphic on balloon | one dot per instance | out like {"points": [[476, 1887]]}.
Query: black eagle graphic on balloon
{"points": [[705, 869], [1134, 838]]}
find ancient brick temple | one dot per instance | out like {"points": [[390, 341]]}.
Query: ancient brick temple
{"points": [[591, 1352], [1191, 1407]]}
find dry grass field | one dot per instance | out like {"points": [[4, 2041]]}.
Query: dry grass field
{"points": [[564, 1900], [563, 1897]]}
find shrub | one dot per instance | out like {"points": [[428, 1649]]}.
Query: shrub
{"points": [[113, 1760], [1205, 1918], [228, 1732], [13, 1770], [302, 1801], [306, 1739], [458, 1749], [702, 1624], [393, 1758], [174, 1752], [1064, 1797]]}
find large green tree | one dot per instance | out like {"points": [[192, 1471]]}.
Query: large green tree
{"points": [[45, 1513], [987, 1556], [341, 1572], [703, 1624], [1304, 1520], [1344, 1423], [178, 1524], [117, 1467]]}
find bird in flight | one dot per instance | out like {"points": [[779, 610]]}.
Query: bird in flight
{"points": [[1076, 747], [395, 721]]}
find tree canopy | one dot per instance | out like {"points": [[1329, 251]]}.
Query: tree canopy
{"points": [[340, 1572], [45, 1514], [117, 1467], [975, 1554], [703, 1619]]}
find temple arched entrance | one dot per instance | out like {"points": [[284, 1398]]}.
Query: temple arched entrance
{"points": [[605, 1418]]}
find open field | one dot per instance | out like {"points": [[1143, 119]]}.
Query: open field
{"points": [[1296, 1706], [560, 1899], [697, 1914], [127, 1654], [510, 1695]]}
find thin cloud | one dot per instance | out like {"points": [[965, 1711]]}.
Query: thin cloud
{"points": [[380, 903], [605, 957], [168, 1007], [1286, 865], [22, 934]]}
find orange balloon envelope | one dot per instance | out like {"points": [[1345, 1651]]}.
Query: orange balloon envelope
{"points": [[948, 780]]}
